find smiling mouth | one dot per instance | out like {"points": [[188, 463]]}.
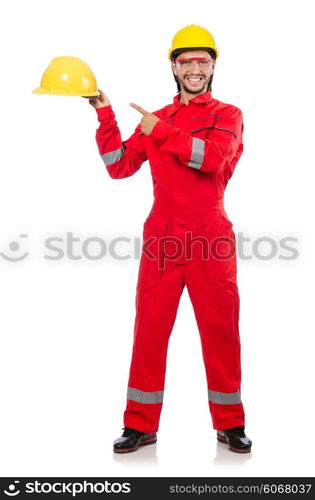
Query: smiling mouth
{"points": [[194, 80]]}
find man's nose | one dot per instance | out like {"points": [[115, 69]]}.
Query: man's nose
{"points": [[195, 66]]}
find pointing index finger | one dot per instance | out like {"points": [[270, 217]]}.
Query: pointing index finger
{"points": [[138, 108]]}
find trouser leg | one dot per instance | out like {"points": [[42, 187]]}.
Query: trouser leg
{"points": [[215, 300], [157, 300]]}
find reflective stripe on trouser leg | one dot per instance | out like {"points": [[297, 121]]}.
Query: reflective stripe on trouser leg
{"points": [[224, 398], [156, 306], [215, 299], [145, 397]]}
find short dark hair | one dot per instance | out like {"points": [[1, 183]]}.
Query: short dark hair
{"points": [[177, 52]]}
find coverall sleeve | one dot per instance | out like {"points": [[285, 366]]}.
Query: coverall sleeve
{"points": [[121, 158], [215, 154]]}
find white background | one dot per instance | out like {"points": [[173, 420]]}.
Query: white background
{"points": [[66, 325]]}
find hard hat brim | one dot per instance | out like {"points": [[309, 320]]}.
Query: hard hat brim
{"points": [[41, 90]]}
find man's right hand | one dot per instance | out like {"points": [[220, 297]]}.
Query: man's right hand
{"points": [[99, 102]]}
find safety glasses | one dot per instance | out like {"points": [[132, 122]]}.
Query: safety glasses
{"points": [[188, 64]]}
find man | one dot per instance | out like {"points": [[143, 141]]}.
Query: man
{"points": [[193, 146]]}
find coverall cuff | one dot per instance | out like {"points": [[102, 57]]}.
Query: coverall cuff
{"points": [[161, 130], [105, 114]]}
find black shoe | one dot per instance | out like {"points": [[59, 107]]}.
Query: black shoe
{"points": [[236, 439], [132, 439]]}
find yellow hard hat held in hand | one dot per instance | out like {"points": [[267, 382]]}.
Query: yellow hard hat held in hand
{"points": [[69, 76]]}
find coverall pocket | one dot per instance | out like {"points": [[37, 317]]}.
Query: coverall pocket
{"points": [[202, 127], [153, 225], [220, 260], [225, 221], [147, 219], [216, 224], [154, 236]]}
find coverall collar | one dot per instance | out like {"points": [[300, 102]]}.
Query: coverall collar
{"points": [[204, 98]]}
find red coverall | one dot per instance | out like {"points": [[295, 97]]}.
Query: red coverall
{"points": [[192, 152]]}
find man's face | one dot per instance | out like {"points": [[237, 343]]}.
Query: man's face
{"points": [[195, 79]]}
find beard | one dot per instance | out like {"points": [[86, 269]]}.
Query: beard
{"points": [[194, 90]]}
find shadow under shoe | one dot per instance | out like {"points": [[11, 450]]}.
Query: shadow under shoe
{"points": [[236, 439], [132, 439]]}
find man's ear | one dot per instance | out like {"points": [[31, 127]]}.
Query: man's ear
{"points": [[173, 67]]}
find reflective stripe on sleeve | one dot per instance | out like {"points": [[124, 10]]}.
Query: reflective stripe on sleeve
{"points": [[145, 397], [113, 156], [197, 153], [225, 398]]}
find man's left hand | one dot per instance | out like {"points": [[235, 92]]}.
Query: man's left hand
{"points": [[148, 119]]}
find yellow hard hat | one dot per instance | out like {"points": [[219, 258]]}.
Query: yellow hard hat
{"points": [[68, 75], [193, 36]]}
